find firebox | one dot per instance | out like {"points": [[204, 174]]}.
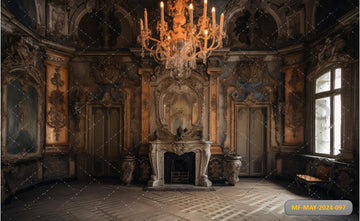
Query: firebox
{"points": [[179, 169]]}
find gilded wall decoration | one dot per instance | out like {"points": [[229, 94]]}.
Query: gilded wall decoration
{"points": [[107, 70], [22, 54], [332, 50], [167, 85], [56, 102], [56, 117]]}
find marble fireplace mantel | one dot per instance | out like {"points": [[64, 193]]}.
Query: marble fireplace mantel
{"points": [[202, 156]]}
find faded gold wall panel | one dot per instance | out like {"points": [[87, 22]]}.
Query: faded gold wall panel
{"points": [[56, 129], [145, 104], [214, 109], [294, 117]]}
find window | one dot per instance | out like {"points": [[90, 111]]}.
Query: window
{"points": [[327, 113]]}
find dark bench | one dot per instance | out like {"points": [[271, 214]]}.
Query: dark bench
{"points": [[318, 172]]}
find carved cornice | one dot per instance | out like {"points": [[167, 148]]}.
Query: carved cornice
{"points": [[180, 147], [56, 58]]}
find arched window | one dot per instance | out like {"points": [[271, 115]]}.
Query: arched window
{"points": [[327, 112]]}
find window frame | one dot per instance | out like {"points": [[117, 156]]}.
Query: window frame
{"points": [[331, 94]]}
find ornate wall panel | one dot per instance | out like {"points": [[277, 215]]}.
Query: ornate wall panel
{"points": [[162, 86], [250, 84], [214, 109], [56, 103]]}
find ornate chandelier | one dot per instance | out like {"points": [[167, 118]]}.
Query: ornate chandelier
{"points": [[179, 47]]}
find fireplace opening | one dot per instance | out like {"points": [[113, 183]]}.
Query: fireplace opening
{"points": [[179, 169]]}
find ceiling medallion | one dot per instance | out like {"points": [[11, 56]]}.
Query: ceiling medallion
{"points": [[178, 48]]}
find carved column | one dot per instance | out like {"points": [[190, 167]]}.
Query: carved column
{"points": [[145, 106], [56, 130], [294, 117], [214, 73]]}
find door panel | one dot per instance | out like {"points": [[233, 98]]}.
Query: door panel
{"points": [[98, 138], [251, 139], [257, 141], [105, 140], [242, 139]]}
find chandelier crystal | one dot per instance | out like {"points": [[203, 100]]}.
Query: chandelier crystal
{"points": [[178, 48]]}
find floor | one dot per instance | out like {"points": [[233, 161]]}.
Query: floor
{"points": [[250, 199]]}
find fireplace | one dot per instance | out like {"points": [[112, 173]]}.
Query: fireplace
{"points": [[164, 153], [179, 169]]}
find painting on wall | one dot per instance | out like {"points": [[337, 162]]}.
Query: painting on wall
{"points": [[22, 117]]}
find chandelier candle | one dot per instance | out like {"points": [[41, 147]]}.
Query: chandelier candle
{"points": [[146, 21], [191, 8], [213, 17], [221, 23], [205, 9], [162, 14], [206, 34]]}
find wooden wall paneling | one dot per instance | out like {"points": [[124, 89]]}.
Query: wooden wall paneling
{"points": [[145, 106]]}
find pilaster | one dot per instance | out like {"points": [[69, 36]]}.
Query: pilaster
{"points": [[214, 73]]}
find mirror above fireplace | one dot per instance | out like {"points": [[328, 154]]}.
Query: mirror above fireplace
{"points": [[180, 108]]}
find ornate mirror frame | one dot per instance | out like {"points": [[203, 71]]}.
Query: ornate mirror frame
{"points": [[160, 87], [25, 78]]}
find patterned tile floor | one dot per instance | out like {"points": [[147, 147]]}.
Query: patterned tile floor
{"points": [[250, 199]]}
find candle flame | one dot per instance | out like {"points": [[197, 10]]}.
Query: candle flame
{"points": [[161, 4], [191, 6]]}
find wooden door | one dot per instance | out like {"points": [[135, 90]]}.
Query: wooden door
{"points": [[251, 136], [105, 140]]}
